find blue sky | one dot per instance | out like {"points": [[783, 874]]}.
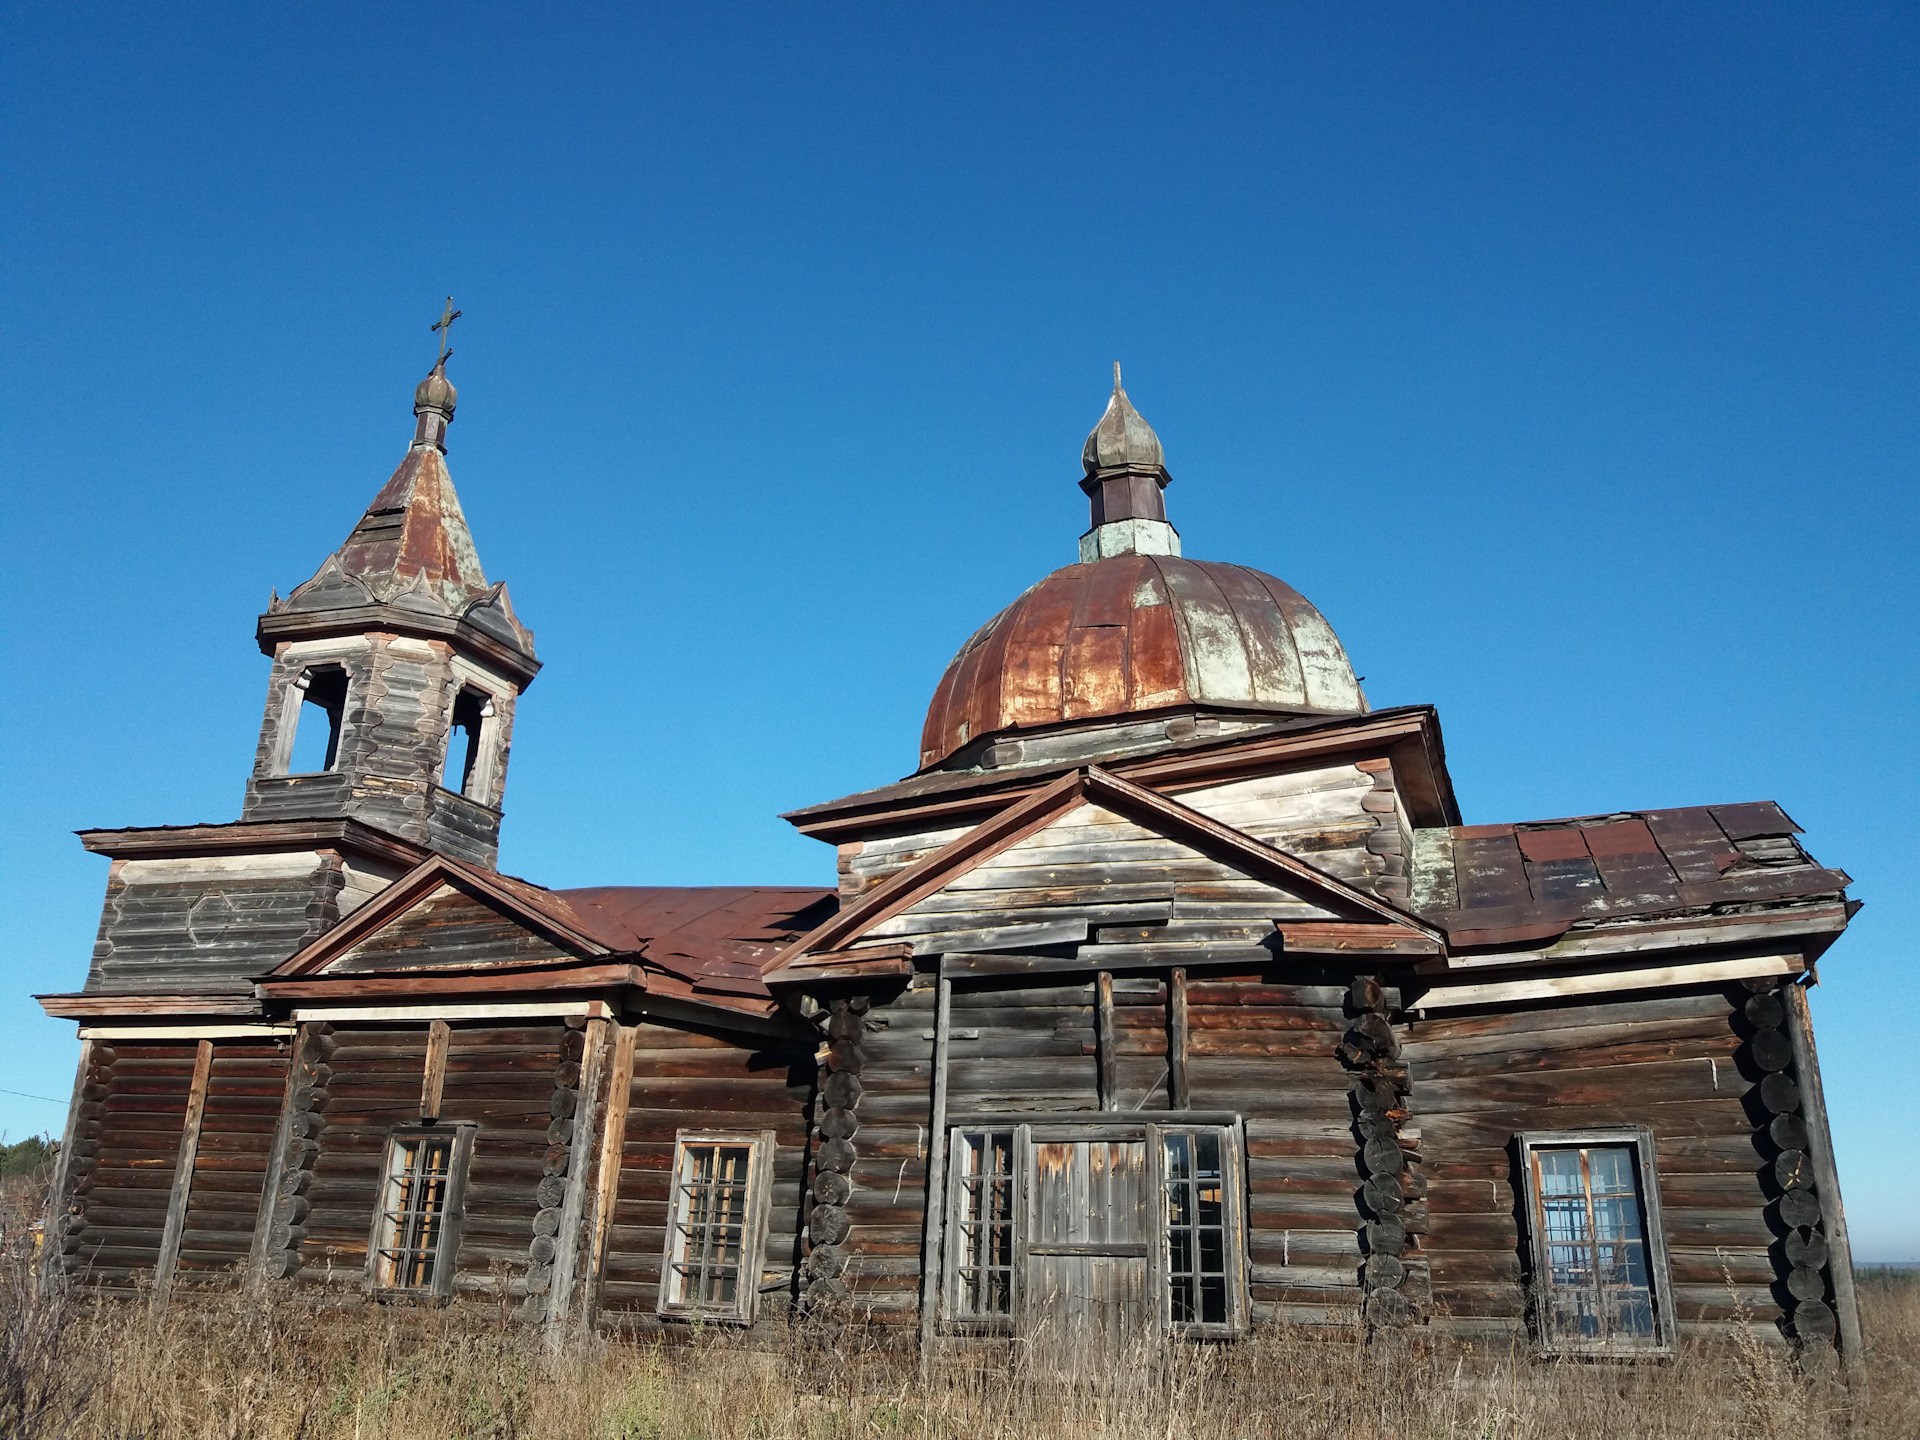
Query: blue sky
{"points": [[1566, 357]]}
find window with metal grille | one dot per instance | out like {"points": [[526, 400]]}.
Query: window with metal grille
{"points": [[980, 1285], [715, 1225], [1599, 1261], [413, 1246], [1138, 1224], [1194, 1182]]}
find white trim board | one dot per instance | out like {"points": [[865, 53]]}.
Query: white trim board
{"points": [[431, 1010], [1450, 997], [183, 1032]]}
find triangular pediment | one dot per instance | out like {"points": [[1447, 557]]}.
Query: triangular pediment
{"points": [[444, 914], [449, 926], [1093, 862]]}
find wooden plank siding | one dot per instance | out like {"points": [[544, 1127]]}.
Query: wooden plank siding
{"points": [[245, 1089], [688, 1078], [450, 928], [1264, 1046], [1667, 1062], [141, 1093], [500, 1076]]}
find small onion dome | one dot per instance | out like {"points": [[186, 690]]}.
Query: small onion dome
{"points": [[436, 392], [1122, 440], [1136, 633]]}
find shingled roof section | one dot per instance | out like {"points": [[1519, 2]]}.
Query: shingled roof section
{"points": [[1531, 881], [713, 939]]}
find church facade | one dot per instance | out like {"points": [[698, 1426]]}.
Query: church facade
{"points": [[1168, 997]]}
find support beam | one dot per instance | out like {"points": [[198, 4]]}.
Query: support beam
{"points": [[182, 1176], [567, 1247], [1178, 1097], [933, 1226], [1103, 1040], [433, 1081], [606, 1192], [1826, 1175], [60, 1192], [276, 1166]]}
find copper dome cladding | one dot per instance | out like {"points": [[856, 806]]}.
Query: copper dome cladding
{"points": [[1141, 632]]}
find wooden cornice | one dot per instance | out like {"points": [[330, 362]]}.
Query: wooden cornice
{"points": [[1145, 807], [408, 891], [426, 983], [1409, 737], [248, 837], [391, 619], [85, 1005]]}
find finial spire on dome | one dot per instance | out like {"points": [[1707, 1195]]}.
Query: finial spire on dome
{"points": [[1125, 472], [435, 397]]}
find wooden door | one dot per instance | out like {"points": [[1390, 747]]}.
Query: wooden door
{"points": [[1086, 1256]]}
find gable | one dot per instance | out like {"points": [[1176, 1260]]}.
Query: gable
{"points": [[1090, 872], [453, 927]]}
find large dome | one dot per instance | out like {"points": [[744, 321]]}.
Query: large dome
{"points": [[1141, 632]]}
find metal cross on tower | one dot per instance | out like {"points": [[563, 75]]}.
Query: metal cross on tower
{"points": [[445, 327]]}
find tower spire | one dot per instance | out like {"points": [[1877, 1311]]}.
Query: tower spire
{"points": [[1125, 472], [435, 397]]}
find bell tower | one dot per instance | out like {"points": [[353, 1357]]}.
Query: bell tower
{"points": [[396, 667]]}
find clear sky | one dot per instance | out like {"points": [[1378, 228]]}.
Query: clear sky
{"points": [[1565, 356]]}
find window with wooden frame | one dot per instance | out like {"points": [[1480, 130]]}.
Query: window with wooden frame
{"points": [[1598, 1250], [416, 1221], [1049, 1222], [716, 1224]]}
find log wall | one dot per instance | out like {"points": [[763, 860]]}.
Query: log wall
{"points": [[688, 1078], [1665, 1061]]}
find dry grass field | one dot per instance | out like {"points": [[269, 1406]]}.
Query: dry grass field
{"points": [[221, 1368]]}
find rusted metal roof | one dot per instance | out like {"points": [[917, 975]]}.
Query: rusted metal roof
{"points": [[1509, 884], [719, 938], [1141, 632], [412, 551]]}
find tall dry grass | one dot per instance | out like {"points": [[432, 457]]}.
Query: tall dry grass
{"points": [[225, 1366]]}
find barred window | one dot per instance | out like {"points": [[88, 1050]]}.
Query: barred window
{"points": [[1196, 1202], [980, 1285], [715, 1225], [414, 1243], [1599, 1265]]}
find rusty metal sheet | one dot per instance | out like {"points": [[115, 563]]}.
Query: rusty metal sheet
{"points": [[1745, 822], [1693, 842], [1491, 871], [1620, 837], [1265, 635], [1565, 842], [1212, 649], [1105, 591], [1156, 677], [1326, 674], [1094, 681]]}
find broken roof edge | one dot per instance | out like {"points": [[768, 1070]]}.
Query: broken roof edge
{"points": [[1409, 735]]}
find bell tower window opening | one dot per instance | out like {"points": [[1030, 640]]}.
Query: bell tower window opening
{"points": [[461, 769], [314, 746]]}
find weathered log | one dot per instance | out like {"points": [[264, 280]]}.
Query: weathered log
{"points": [[826, 1261], [547, 1222], [830, 1188], [566, 1075], [1365, 994], [842, 1090], [1813, 1320], [558, 1158], [846, 1055], [1771, 1050], [1381, 1194], [1384, 1157], [1789, 1132], [835, 1155], [844, 1025], [1388, 1307], [839, 1124], [1799, 1209], [543, 1249], [564, 1103], [1779, 1094], [1765, 1011], [1793, 1170], [552, 1191], [1385, 1271], [560, 1132], [1805, 1283], [1806, 1248], [1386, 1237], [828, 1225]]}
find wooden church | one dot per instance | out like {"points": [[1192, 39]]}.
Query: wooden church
{"points": [[1169, 997]]}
